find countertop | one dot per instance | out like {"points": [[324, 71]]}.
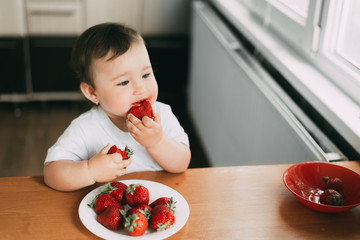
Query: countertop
{"points": [[242, 202]]}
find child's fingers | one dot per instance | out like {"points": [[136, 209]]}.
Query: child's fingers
{"points": [[126, 162], [157, 117], [120, 172], [132, 122], [133, 128], [105, 149], [117, 158], [133, 119], [121, 167], [148, 122]]}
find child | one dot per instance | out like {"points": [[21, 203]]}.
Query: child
{"points": [[115, 74]]}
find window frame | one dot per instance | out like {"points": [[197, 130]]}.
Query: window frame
{"points": [[341, 72], [312, 37], [298, 30]]}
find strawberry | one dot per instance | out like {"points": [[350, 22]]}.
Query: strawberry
{"points": [[142, 208], [135, 224], [111, 217], [103, 201], [117, 189], [161, 200], [333, 183], [142, 109], [126, 153], [137, 194], [331, 197], [161, 217], [164, 201]]}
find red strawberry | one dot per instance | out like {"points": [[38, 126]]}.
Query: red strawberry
{"points": [[126, 153], [102, 201], [333, 183], [111, 217], [161, 218], [169, 202], [137, 194], [331, 197], [142, 208], [161, 200], [117, 189], [144, 109], [135, 224]]}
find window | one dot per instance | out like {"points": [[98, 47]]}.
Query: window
{"points": [[339, 52], [299, 7], [327, 33], [296, 21], [349, 33]]}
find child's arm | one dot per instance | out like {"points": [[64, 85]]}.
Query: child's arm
{"points": [[172, 156], [67, 175]]}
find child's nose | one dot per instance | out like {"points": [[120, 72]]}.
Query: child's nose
{"points": [[139, 88]]}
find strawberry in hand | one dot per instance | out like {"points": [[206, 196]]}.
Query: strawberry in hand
{"points": [[126, 153], [142, 109]]}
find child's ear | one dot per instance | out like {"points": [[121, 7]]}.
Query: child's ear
{"points": [[89, 92]]}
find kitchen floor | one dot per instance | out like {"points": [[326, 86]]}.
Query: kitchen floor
{"points": [[27, 130]]}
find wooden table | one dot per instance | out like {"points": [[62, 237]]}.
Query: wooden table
{"points": [[246, 202]]}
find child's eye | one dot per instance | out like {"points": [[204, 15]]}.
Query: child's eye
{"points": [[123, 83], [146, 75]]}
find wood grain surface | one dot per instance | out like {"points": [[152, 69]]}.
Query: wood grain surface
{"points": [[246, 202]]}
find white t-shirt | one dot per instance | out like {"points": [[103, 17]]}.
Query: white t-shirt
{"points": [[93, 130]]}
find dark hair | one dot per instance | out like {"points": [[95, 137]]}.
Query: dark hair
{"points": [[96, 42]]}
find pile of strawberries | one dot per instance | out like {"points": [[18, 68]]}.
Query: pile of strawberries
{"points": [[111, 204], [333, 191]]}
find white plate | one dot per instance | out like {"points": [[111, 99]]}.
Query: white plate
{"points": [[182, 212]]}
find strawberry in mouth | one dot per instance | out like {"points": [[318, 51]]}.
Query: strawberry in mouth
{"points": [[141, 109]]}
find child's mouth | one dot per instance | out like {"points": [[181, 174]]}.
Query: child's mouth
{"points": [[139, 103]]}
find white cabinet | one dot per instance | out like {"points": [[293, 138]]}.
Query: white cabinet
{"points": [[128, 12], [148, 17], [71, 17], [12, 18], [65, 17], [166, 17]]}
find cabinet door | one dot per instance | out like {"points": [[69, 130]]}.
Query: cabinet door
{"points": [[50, 64], [12, 65], [166, 17], [56, 18], [12, 18], [123, 11]]}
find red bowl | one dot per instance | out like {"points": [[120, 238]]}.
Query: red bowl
{"points": [[304, 181]]}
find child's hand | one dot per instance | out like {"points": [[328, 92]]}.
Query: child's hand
{"points": [[147, 132], [105, 167]]}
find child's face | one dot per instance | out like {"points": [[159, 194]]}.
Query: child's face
{"points": [[122, 82]]}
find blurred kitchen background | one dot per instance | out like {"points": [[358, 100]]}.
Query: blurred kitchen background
{"points": [[252, 82]]}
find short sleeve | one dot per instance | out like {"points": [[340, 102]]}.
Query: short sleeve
{"points": [[171, 125], [69, 146]]}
